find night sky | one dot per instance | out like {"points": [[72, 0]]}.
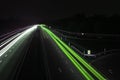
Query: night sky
{"points": [[15, 14], [55, 9]]}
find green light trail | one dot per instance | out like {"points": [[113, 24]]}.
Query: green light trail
{"points": [[79, 67], [91, 69], [66, 49]]}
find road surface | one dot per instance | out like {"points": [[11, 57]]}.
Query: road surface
{"points": [[36, 53]]}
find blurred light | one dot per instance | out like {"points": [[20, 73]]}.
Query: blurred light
{"points": [[82, 33], [7, 47], [88, 51]]}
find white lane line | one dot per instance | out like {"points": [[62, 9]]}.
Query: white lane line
{"points": [[59, 69]]}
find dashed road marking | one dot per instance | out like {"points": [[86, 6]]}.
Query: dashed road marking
{"points": [[6, 55], [66, 62], [0, 61], [59, 69], [72, 70]]}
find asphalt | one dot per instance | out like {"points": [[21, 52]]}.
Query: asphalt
{"points": [[60, 67], [10, 61], [39, 58], [109, 65], [45, 61], [33, 67]]}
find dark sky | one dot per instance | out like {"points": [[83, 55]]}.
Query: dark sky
{"points": [[53, 9]]}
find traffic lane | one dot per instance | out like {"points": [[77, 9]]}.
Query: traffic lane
{"points": [[60, 66], [33, 65], [9, 62]]}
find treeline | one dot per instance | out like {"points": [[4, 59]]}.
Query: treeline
{"points": [[90, 24]]}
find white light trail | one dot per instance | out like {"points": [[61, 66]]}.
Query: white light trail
{"points": [[6, 48], [8, 40]]}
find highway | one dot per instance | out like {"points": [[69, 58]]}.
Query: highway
{"points": [[13, 51], [36, 53]]}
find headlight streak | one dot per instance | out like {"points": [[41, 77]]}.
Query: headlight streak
{"points": [[7, 47], [8, 40]]}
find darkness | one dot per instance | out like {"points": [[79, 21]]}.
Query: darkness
{"points": [[87, 16], [89, 24], [15, 14]]}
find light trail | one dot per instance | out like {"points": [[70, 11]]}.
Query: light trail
{"points": [[8, 40], [7, 47], [76, 56], [79, 67], [81, 60], [13, 32]]}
